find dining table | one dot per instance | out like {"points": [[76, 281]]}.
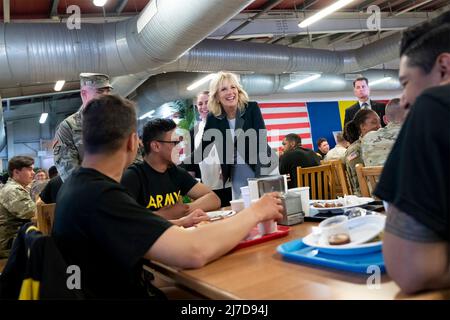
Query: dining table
{"points": [[259, 272]]}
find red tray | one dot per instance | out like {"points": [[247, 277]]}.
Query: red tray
{"points": [[283, 231]]}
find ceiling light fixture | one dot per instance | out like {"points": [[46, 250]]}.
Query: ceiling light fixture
{"points": [[59, 85], [324, 12], [303, 81], [43, 118], [147, 115], [372, 83], [100, 3], [203, 80]]}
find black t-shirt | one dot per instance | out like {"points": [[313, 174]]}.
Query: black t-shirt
{"points": [[416, 175], [300, 157], [102, 230], [48, 195], [155, 190]]}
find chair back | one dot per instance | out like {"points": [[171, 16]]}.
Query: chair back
{"points": [[341, 182], [368, 178], [45, 217], [320, 180]]}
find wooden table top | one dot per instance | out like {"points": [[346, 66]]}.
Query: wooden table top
{"points": [[259, 272]]}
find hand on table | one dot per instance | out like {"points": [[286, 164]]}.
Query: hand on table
{"points": [[196, 216]]}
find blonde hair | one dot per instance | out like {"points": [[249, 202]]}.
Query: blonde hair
{"points": [[214, 105]]}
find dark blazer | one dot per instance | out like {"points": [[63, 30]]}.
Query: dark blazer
{"points": [[299, 157], [379, 108], [256, 152]]}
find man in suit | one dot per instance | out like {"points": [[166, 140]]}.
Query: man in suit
{"points": [[362, 92]]}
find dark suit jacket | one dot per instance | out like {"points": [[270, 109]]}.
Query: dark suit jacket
{"points": [[379, 108], [300, 157], [256, 152]]}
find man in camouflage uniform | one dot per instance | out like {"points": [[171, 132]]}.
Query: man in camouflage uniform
{"points": [[376, 145], [68, 144], [16, 205]]}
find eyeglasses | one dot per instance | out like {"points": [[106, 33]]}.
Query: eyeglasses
{"points": [[172, 142]]}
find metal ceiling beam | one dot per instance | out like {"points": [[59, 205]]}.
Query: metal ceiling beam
{"points": [[336, 23], [6, 11], [120, 6], [54, 9], [412, 7], [267, 7]]}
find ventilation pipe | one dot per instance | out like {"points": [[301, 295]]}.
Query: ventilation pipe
{"points": [[171, 86], [216, 55], [160, 34]]}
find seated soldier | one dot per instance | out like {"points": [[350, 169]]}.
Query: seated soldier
{"points": [[101, 229], [294, 155], [16, 205], [376, 145], [338, 152], [415, 181], [158, 184]]}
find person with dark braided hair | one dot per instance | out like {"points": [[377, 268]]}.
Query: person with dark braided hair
{"points": [[365, 120]]}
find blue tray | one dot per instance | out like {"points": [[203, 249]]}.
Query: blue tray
{"points": [[297, 251]]}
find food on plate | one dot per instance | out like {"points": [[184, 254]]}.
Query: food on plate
{"points": [[339, 239], [317, 205], [327, 204], [333, 204]]}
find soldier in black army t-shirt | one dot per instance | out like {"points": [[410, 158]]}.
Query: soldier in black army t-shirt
{"points": [[101, 229], [158, 184], [415, 181]]}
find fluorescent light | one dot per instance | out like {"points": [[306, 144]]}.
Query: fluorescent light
{"points": [[380, 80], [203, 80], [59, 84], [100, 3], [303, 81], [147, 115], [43, 117], [324, 12]]}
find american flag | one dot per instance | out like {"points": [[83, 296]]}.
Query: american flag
{"points": [[284, 118]]}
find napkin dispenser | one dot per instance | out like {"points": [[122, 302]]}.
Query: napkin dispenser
{"points": [[293, 211], [291, 201]]}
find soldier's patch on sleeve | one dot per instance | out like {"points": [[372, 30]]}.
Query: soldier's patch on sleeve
{"points": [[352, 156]]}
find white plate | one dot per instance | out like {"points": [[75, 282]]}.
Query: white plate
{"points": [[220, 214], [360, 202], [362, 229]]}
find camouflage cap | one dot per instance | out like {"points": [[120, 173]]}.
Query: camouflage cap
{"points": [[95, 80]]}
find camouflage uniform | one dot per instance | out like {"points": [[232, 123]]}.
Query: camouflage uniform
{"points": [[376, 145], [352, 158], [16, 208], [338, 152], [68, 146]]}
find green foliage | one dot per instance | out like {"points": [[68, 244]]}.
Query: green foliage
{"points": [[186, 113]]}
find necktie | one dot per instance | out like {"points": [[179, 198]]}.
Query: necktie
{"points": [[364, 106]]}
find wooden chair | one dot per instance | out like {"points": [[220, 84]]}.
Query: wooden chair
{"points": [[368, 178], [342, 184], [320, 180], [45, 217]]}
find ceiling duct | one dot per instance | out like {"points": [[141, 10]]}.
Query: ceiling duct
{"points": [[216, 55], [161, 33], [166, 87]]}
